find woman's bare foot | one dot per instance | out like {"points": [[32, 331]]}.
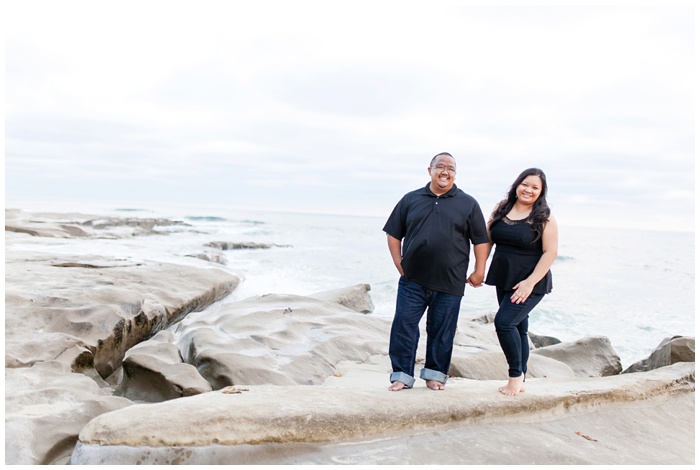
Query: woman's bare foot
{"points": [[397, 385], [435, 385], [514, 386]]}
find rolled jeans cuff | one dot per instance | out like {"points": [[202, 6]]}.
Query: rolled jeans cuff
{"points": [[403, 378], [429, 374]]}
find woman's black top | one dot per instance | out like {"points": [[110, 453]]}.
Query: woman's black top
{"points": [[516, 255]]}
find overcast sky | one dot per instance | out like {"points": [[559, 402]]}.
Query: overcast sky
{"points": [[338, 107]]}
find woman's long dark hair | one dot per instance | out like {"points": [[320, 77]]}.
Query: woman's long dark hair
{"points": [[540, 209]]}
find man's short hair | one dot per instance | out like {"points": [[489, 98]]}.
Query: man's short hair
{"points": [[432, 162]]}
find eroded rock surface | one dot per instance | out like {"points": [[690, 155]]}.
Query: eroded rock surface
{"points": [[54, 225], [46, 406], [69, 319], [54, 302], [493, 366], [355, 298], [72, 319], [588, 357], [153, 371], [670, 351], [278, 339], [242, 245], [264, 414]]}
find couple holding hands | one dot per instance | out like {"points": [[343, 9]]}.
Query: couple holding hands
{"points": [[429, 234]]}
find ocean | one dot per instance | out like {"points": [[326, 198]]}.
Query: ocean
{"points": [[634, 287]]}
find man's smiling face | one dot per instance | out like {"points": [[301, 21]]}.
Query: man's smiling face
{"points": [[442, 174]]}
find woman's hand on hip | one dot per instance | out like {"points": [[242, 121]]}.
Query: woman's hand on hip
{"points": [[522, 291]]}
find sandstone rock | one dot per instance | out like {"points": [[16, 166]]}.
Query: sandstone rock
{"points": [[493, 366], [536, 341], [355, 298], [82, 225], [588, 357], [106, 310], [671, 350], [278, 339], [240, 245], [153, 371], [213, 256], [66, 314], [475, 336], [222, 424], [485, 318], [146, 225], [41, 231], [46, 406], [539, 341]]}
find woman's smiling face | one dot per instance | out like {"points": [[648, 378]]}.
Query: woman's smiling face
{"points": [[529, 189]]}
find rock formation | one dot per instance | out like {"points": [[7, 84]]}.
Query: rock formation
{"points": [[670, 351], [355, 298], [104, 352], [588, 357], [277, 339], [82, 225], [69, 321], [154, 371], [225, 427]]}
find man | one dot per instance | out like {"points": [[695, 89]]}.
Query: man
{"points": [[436, 224]]}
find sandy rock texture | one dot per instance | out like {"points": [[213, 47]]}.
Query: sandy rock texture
{"points": [[671, 350], [81, 225], [278, 339], [230, 423], [89, 312], [136, 361], [46, 406], [351, 417], [153, 371], [355, 298], [490, 366], [588, 357], [69, 321]]}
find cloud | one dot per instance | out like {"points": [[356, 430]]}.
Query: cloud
{"points": [[339, 107]]}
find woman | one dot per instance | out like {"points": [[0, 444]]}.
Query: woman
{"points": [[526, 238]]}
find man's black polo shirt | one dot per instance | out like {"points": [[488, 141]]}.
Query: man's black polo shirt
{"points": [[436, 231]]}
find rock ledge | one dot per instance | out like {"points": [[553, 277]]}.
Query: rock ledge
{"points": [[305, 414]]}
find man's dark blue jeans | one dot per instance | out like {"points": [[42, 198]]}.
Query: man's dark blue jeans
{"points": [[412, 300]]}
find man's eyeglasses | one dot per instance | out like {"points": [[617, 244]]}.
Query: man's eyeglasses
{"points": [[448, 169]]}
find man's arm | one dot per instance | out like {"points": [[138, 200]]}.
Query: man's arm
{"points": [[481, 254], [395, 250]]}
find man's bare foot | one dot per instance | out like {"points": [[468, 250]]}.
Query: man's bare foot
{"points": [[435, 385], [514, 386], [397, 385]]}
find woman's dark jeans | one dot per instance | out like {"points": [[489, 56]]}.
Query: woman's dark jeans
{"points": [[511, 327]]}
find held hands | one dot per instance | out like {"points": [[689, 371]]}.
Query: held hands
{"points": [[523, 289], [476, 279]]}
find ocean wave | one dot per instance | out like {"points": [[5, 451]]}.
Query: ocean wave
{"points": [[205, 218], [565, 258], [131, 209]]}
